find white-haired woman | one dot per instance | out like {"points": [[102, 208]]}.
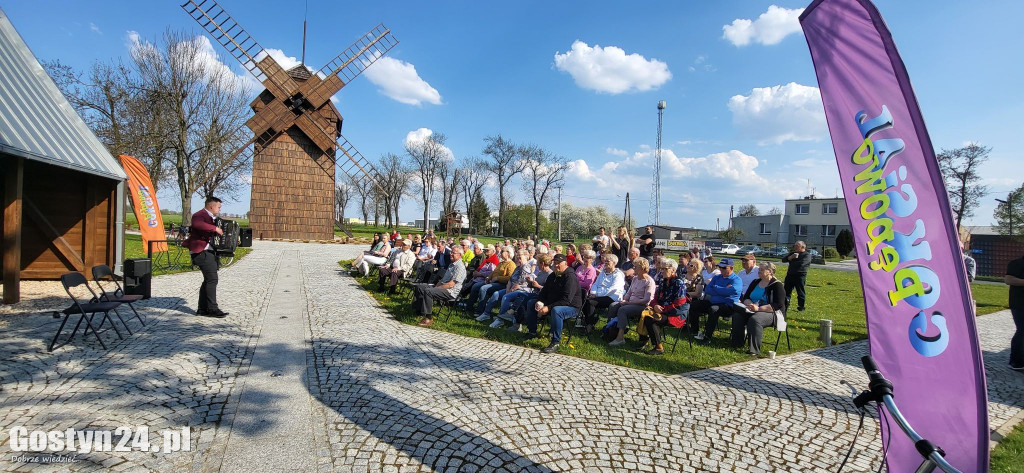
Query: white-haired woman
{"points": [[586, 273], [670, 304], [608, 288], [765, 301]]}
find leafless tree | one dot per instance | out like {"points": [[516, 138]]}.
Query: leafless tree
{"points": [[205, 107], [448, 177], [542, 172], [775, 211], [472, 179], [505, 163], [426, 156], [115, 106], [395, 181], [342, 195], [748, 210], [960, 168]]}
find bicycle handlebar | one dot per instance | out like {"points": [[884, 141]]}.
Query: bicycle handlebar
{"points": [[881, 391]]}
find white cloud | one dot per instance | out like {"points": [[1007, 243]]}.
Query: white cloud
{"points": [[420, 134], [616, 152], [95, 29], [206, 56], [399, 81], [286, 62], [791, 112], [769, 28], [610, 69]]}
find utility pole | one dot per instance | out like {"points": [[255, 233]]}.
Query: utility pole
{"points": [[559, 236]]}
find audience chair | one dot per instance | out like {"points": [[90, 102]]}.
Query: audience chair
{"points": [[103, 273], [679, 334], [86, 311]]}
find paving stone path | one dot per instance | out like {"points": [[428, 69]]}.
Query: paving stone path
{"points": [[309, 374]]}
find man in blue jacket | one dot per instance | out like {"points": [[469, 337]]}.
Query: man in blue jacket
{"points": [[723, 295]]}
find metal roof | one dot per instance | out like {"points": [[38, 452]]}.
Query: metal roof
{"points": [[36, 121]]}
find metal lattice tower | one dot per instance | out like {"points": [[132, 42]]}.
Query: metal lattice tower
{"points": [[654, 216]]}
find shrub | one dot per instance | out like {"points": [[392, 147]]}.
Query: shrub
{"points": [[831, 253], [844, 242]]}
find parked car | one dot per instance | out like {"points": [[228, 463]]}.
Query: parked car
{"points": [[816, 257], [773, 252], [730, 249], [748, 249]]}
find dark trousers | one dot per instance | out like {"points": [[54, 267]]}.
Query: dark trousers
{"points": [[745, 323], [390, 276], [1017, 342], [423, 297], [654, 329], [796, 281], [591, 306], [208, 264], [425, 270], [701, 307]]}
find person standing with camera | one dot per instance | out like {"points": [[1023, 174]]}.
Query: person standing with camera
{"points": [[203, 228], [796, 277]]}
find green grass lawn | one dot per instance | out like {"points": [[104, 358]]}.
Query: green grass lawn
{"points": [[1008, 456], [133, 248], [834, 295]]}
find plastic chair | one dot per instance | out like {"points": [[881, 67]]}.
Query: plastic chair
{"points": [[104, 273], [86, 311]]}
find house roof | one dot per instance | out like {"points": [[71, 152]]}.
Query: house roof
{"points": [[36, 121]]}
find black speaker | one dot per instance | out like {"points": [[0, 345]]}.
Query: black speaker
{"points": [[245, 237], [138, 276]]}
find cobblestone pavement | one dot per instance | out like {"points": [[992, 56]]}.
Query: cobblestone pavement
{"points": [[391, 397]]}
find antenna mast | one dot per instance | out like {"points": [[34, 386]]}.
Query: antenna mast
{"points": [[304, 15], [655, 211]]}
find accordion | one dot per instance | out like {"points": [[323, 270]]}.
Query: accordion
{"points": [[227, 242]]}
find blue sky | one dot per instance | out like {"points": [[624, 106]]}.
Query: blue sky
{"points": [[743, 124]]}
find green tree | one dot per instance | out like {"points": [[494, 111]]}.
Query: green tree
{"points": [[844, 242], [479, 213], [519, 220], [731, 235], [1009, 214]]}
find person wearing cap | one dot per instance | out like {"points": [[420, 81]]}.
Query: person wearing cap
{"points": [[423, 295], [750, 271], [723, 298], [559, 299], [399, 264]]}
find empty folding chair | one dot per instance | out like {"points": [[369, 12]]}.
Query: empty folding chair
{"points": [[86, 311], [104, 273]]}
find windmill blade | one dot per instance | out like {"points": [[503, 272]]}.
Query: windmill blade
{"points": [[241, 45], [351, 62], [354, 165]]}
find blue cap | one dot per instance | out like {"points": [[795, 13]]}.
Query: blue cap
{"points": [[725, 262]]}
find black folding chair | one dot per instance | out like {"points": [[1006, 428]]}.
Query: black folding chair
{"points": [[679, 334], [86, 311], [104, 273]]}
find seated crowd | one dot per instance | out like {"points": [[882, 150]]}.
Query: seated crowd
{"points": [[529, 280]]}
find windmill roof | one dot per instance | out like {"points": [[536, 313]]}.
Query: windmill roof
{"points": [[36, 121], [300, 72]]}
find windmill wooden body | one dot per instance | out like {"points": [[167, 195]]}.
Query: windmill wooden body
{"points": [[297, 142]]}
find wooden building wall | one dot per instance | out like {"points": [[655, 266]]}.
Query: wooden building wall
{"points": [[292, 189], [67, 221]]}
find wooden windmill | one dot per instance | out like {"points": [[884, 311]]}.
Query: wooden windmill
{"points": [[297, 139]]}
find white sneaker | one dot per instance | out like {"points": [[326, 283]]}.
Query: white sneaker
{"points": [[497, 323], [515, 328], [483, 317], [616, 343], [699, 336], [507, 315]]}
